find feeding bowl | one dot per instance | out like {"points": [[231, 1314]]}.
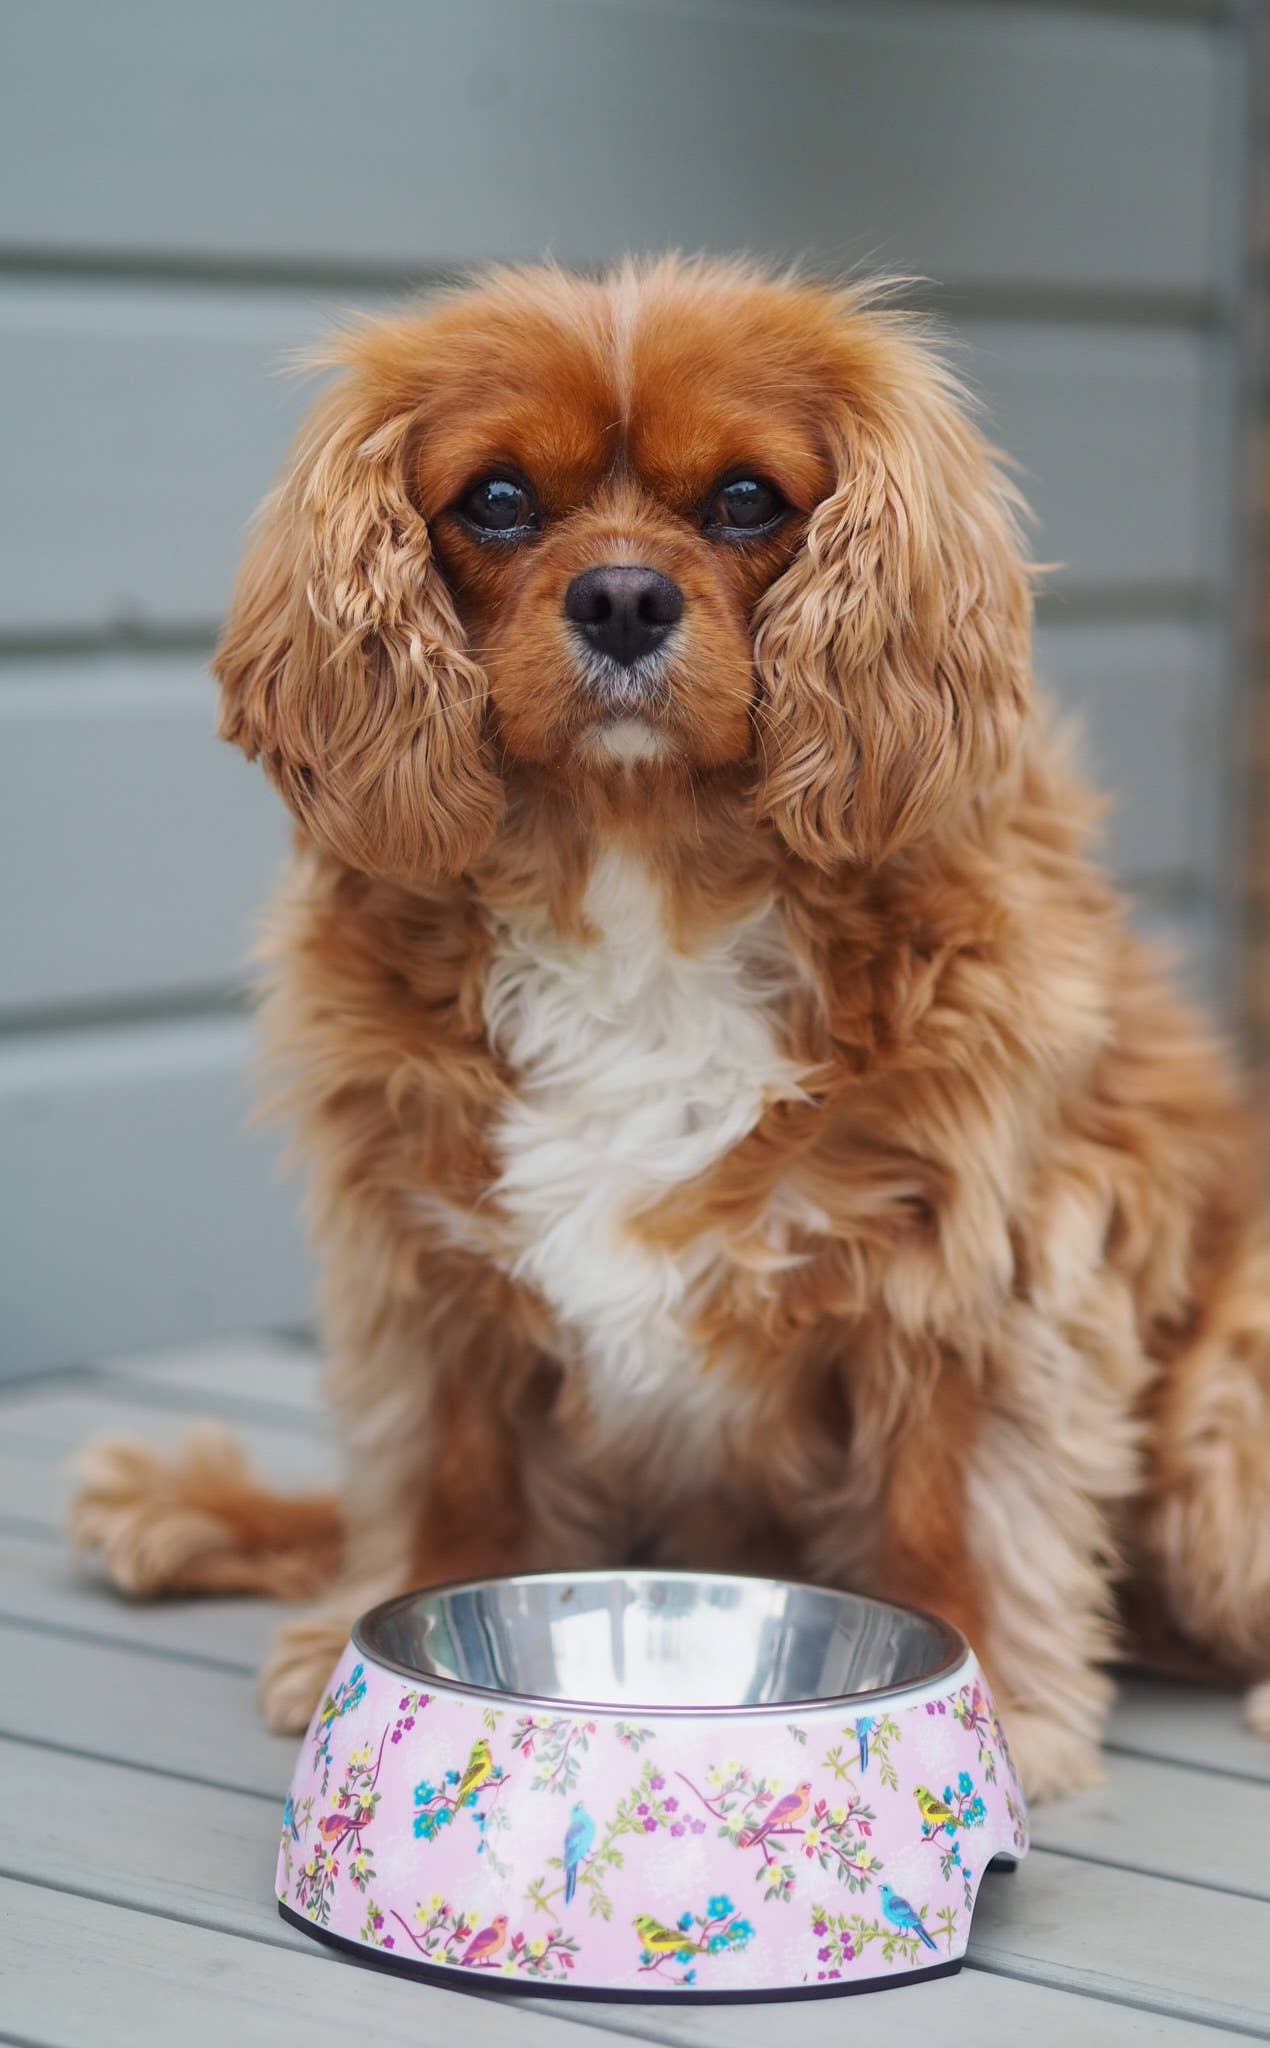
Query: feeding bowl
{"points": [[650, 1784]]}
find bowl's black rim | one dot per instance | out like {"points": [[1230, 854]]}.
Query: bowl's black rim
{"points": [[497, 1986], [960, 1653]]}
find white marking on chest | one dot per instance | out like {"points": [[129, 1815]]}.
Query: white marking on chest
{"points": [[639, 1068]]}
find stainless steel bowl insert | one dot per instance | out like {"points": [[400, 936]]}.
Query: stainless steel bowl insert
{"points": [[671, 1641]]}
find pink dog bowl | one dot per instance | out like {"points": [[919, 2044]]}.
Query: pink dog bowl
{"points": [[650, 1784]]}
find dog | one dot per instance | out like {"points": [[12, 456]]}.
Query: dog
{"points": [[743, 1130]]}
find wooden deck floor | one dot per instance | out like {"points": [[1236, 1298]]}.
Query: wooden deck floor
{"points": [[140, 1800]]}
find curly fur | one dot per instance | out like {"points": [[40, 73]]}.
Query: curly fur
{"points": [[742, 1128]]}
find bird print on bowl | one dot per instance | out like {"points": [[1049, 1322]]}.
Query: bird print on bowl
{"points": [[797, 1843]]}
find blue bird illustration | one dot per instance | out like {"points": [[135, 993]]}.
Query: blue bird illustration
{"points": [[288, 1819], [578, 1837], [902, 1915], [863, 1730]]}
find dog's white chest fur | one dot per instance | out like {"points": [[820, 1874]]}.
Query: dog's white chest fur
{"points": [[639, 1067]]}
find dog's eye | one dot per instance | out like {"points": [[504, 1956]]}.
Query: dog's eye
{"points": [[746, 505], [499, 504]]}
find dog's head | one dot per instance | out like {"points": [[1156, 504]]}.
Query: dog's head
{"points": [[681, 522]]}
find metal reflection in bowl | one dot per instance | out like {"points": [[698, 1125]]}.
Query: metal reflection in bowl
{"points": [[674, 1641]]}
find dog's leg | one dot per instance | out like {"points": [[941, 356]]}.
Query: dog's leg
{"points": [[472, 1523], [988, 1521], [1205, 1524], [199, 1520], [476, 1514], [457, 1470]]}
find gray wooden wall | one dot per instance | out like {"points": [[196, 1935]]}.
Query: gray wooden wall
{"points": [[187, 192]]}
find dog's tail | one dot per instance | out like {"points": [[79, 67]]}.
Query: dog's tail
{"points": [[198, 1520]]}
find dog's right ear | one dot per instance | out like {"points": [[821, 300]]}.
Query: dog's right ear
{"points": [[343, 664]]}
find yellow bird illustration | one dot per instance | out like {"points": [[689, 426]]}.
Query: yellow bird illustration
{"points": [[936, 1813], [479, 1766], [658, 1939]]}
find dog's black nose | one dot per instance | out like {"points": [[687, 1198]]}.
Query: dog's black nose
{"points": [[623, 612]]}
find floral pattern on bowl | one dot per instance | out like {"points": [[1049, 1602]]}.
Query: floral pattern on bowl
{"points": [[761, 1852]]}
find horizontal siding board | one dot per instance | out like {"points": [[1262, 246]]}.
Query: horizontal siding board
{"points": [[1075, 159], [1113, 432], [1190, 935], [166, 409], [134, 1210], [165, 406], [428, 133], [1147, 703], [155, 844]]}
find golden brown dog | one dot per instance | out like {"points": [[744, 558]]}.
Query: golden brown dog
{"points": [[742, 1128]]}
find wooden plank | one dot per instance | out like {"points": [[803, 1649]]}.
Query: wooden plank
{"points": [[1144, 1941], [1187, 1724], [135, 1977], [166, 403], [136, 1210], [1179, 1724], [1151, 1718], [42, 1587], [232, 1375], [52, 1422], [38, 1583], [1095, 157], [154, 844], [191, 1720], [35, 1469], [972, 2008], [34, 1485], [100, 1827], [1169, 1820], [37, 1446], [1161, 1819], [127, 1832]]}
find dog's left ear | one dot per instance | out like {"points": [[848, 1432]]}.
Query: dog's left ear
{"points": [[893, 654]]}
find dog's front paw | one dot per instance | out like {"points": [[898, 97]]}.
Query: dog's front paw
{"points": [[1050, 1757], [149, 1513], [1257, 1708], [294, 1675]]}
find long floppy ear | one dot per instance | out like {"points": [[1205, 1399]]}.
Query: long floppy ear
{"points": [[893, 653], [342, 664]]}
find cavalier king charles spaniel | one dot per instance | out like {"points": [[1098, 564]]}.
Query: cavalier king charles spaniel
{"points": [[743, 1130]]}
